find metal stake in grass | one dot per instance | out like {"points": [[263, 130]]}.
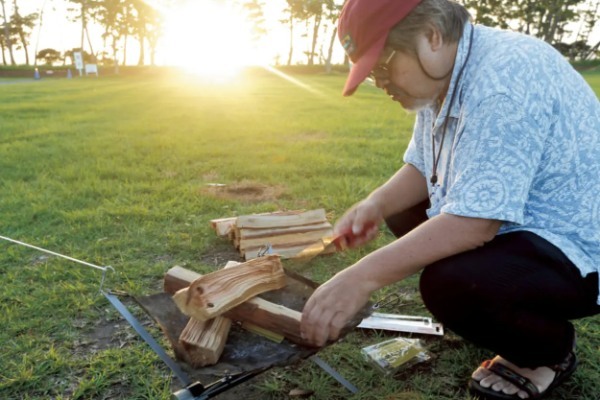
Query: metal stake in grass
{"points": [[120, 307], [87, 264]]}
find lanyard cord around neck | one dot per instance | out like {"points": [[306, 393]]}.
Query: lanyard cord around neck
{"points": [[436, 157]]}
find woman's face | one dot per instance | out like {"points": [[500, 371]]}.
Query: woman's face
{"points": [[406, 80]]}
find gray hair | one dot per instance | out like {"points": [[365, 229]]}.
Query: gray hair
{"points": [[446, 15]]}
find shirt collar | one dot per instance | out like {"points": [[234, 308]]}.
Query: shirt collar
{"points": [[461, 56]]}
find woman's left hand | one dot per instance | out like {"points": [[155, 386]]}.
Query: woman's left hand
{"points": [[332, 306]]}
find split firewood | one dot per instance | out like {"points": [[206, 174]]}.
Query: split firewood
{"points": [[248, 238], [289, 232], [270, 316], [291, 240], [201, 343], [281, 220], [223, 226], [252, 233], [217, 292], [253, 236], [178, 278]]}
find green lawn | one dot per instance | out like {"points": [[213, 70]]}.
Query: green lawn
{"points": [[115, 171]]}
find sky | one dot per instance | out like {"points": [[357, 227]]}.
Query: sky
{"points": [[59, 33], [185, 30]]}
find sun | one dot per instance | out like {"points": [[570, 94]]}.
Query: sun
{"points": [[209, 38]]}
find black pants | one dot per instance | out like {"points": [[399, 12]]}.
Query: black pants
{"points": [[514, 296]]}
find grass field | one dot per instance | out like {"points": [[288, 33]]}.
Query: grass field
{"points": [[117, 171]]}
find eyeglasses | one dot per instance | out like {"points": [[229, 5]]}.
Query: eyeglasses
{"points": [[382, 71]]}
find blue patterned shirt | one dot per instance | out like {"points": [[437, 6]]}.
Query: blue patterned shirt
{"points": [[522, 143]]}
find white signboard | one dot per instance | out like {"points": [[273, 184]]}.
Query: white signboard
{"points": [[78, 58], [91, 69]]}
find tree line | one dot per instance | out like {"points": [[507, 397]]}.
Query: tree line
{"points": [[553, 21], [311, 21], [121, 21], [550, 20]]}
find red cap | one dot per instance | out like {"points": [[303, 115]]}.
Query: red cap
{"points": [[363, 28]]}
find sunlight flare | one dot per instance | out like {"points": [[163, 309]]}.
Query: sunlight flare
{"points": [[208, 38], [293, 80]]}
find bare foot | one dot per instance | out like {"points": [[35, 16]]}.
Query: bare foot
{"points": [[541, 377]]}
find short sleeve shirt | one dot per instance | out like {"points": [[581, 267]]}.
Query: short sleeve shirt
{"points": [[522, 143]]}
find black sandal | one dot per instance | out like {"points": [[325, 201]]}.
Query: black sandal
{"points": [[563, 371]]}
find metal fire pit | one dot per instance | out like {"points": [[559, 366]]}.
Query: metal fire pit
{"points": [[246, 354]]}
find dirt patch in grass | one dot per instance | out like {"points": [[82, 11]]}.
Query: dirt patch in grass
{"points": [[110, 331], [219, 254], [103, 335], [246, 191]]}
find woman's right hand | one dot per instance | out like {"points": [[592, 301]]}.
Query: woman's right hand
{"points": [[360, 224]]}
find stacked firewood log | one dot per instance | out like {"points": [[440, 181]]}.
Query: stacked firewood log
{"points": [[286, 232], [214, 300]]}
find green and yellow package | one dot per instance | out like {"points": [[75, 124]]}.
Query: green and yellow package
{"points": [[394, 354]]}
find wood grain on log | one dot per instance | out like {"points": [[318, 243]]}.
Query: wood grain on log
{"points": [[178, 278], [287, 239], [287, 231], [260, 312], [203, 342], [223, 226], [270, 316], [281, 221], [251, 233], [217, 292]]}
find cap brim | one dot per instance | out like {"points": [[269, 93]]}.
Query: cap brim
{"points": [[363, 67]]}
